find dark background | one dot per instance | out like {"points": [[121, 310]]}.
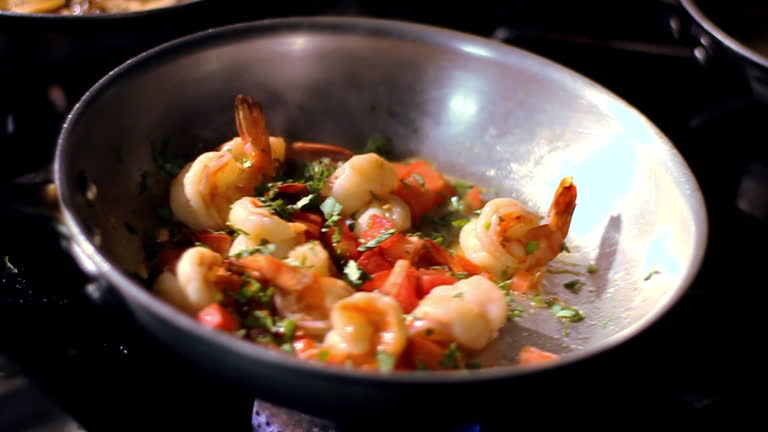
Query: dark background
{"points": [[700, 365]]}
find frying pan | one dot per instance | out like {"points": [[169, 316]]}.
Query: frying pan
{"points": [[736, 32], [480, 110]]}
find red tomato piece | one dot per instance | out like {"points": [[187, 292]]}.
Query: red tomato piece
{"points": [[431, 278], [377, 225], [347, 245], [402, 285], [474, 199], [217, 242], [312, 221], [372, 261], [218, 317], [400, 247], [376, 281], [530, 354]]}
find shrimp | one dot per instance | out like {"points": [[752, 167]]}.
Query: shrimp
{"points": [[365, 325], [507, 238], [300, 294], [312, 255], [470, 312], [193, 285], [203, 191], [360, 180], [390, 207], [258, 226]]}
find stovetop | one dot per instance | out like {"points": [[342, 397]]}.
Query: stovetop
{"points": [[70, 361]]}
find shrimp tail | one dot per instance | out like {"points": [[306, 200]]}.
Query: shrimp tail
{"points": [[563, 205], [252, 128]]}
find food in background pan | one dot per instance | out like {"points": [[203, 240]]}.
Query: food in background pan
{"points": [[82, 7]]}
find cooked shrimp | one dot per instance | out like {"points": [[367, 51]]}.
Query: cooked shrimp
{"points": [[259, 226], [360, 180], [469, 312], [203, 191], [390, 207], [300, 294], [507, 237], [311, 255], [364, 325], [193, 286]]}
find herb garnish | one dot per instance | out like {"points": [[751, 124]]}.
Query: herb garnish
{"points": [[419, 179], [264, 248], [452, 358], [650, 275], [378, 240], [354, 274], [531, 247], [591, 269], [574, 285], [379, 144], [238, 231], [385, 361]]}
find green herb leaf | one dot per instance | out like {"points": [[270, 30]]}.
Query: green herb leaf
{"points": [[419, 179], [331, 210], [385, 361], [198, 244], [323, 355], [565, 248], [245, 162], [355, 275], [379, 144], [591, 269], [264, 249], [573, 285], [378, 240], [289, 330], [531, 247], [462, 187], [452, 358], [570, 314], [459, 223], [458, 295], [302, 202], [237, 230], [650, 275]]}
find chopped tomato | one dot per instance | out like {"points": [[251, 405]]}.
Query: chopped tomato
{"points": [[400, 247], [434, 255], [312, 221], [462, 264], [346, 247], [424, 353], [217, 242], [377, 225], [372, 261], [530, 354], [524, 281], [402, 284], [305, 348], [474, 199], [218, 317], [422, 187], [376, 281], [431, 278]]}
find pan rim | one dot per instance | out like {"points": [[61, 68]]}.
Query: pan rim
{"points": [[106, 17], [472, 45]]}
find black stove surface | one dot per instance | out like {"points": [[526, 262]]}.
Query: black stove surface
{"points": [[72, 357]]}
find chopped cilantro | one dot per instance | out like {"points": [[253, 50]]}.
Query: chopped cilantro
{"points": [[289, 330], [531, 247], [237, 230], [458, 295], [462, 187], [331, 210], [460, 275], [419, 179], [302, 202], [487, 226], [245, 162], [379, 144], [163, 162], [452, 357], [565, 248], [265, 248], [459, 223], [385, 361], [567, 313], [355, 275], [650, 275], [198, 244], [573, 285], [378, 240], [591, 269], [323, 355], [317, 172]]}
